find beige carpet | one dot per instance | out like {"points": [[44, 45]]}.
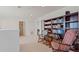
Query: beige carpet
{"points": [[34, 47]]}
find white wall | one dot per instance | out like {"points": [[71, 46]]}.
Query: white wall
{"points": [[9, 24], [10, 20], [30, 30]]}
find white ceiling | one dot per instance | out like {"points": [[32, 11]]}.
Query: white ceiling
{"points": [[26, 11]]}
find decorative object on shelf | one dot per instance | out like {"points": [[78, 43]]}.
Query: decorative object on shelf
{"points": [[67, 12]]}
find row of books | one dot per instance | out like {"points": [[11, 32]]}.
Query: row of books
{"points": [[58, 20], [72, 25], [74, 18], [47, 22], [56, 26], [47, 26]]}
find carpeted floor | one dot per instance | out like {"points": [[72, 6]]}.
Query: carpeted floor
{"points": [[33, 47]]}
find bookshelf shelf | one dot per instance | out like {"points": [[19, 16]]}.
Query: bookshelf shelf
{"points": [[47, 24], [71, 21], [56, 23], [47, 20]]}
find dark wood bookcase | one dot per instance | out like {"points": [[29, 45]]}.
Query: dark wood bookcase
{"points": [[59, 25]]}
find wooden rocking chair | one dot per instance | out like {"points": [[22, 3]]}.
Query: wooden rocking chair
{"points": [[66, 43]]}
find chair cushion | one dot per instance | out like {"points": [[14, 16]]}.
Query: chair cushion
{"points": [[69, 37]]}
